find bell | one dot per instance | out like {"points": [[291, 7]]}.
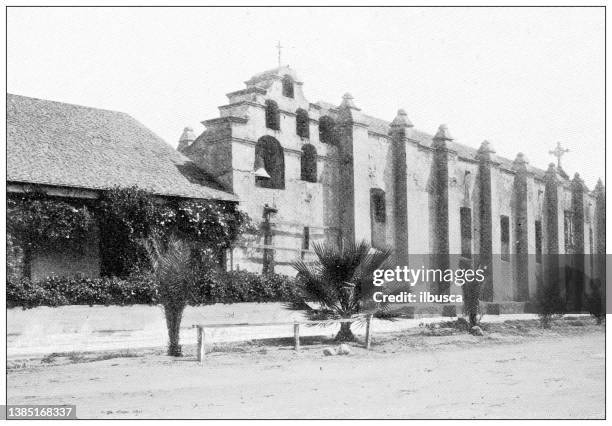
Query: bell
{"points": [[261, 173], [260, 170]]}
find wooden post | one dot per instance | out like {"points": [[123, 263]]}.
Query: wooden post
{"points": [[296, 335], [200, 349], [368, 332]]}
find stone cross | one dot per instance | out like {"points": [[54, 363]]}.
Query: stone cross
{"points": [[558, 152]]}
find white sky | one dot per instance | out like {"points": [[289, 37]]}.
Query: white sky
{"points": [[523, 78]]}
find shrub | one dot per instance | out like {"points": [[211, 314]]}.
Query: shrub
{"points": [[22, 292], [549, 304], [211, 287], [57, 291], [340, 281], [471, 303], [595, 301], [243, 286]]}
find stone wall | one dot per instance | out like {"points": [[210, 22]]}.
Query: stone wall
{"points": [[300, 204]]}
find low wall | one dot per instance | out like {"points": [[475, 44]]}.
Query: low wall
{"points": [[44, 330]]}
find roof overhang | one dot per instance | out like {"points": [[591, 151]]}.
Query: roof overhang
{"points": [[82, 193]]}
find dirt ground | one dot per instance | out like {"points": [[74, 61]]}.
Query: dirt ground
{"points": [[516, 370]]}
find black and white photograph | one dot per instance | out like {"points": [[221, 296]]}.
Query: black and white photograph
{"points": [[305, 212]]}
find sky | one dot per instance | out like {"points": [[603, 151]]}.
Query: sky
{"points": [[521, 78]]}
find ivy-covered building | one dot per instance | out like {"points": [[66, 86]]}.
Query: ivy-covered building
{"points": [[75, 154]]}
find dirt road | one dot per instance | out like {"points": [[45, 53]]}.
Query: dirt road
{"points": [[552, 376]]}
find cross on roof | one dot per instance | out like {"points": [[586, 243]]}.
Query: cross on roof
{"points": [[279, 47], [558, 152]]}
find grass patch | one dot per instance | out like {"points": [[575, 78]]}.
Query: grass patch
{"points": [[80, 357], [263, 345]]}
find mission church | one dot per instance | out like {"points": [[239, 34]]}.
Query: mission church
{"points": [[319, 172]]}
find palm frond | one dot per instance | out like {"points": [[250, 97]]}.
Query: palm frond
{"points": [[172, 268], [341, 278], [313, 285]]}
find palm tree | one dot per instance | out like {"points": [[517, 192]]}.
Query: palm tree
{"points": [[340, 281], [175, 276]]}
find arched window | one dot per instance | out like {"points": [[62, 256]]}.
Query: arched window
{"points": [[326, 130], [309, 163], [270, 152], [272, 115], [288, 86], [302, 123]]}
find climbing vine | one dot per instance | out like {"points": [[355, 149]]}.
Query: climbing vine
{"points": [[124, 217], [128, 215], [37, 221]]}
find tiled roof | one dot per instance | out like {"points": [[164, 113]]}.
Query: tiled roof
{"points": [[61, 144]]}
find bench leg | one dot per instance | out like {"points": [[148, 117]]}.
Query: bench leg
{"points": [[368, 341], [296, 336], [201, 352]]}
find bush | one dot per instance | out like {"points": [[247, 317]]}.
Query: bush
{"points": [[211, 287], [243, 286], [549, 304], [22, 292], [596, 301], [58, 291], [471, 303]]}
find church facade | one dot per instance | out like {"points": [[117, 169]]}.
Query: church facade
{"points": [[311, 172]]}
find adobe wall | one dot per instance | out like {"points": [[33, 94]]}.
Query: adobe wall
{"points": [[301, 204], [430, 182]]}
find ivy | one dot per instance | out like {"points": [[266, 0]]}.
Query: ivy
{"points": [[37, 221], [212, 224], [125, 216], [128, 215]]}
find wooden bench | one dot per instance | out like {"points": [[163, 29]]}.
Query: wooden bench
{"points": [[201, 353]]}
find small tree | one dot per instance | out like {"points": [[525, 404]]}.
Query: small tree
{"points": [[596, 301], [340, 281], [471, 296], [471, 302], [549, 304], [175, 276]]}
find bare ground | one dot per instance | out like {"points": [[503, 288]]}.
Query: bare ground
{"points": [[517, 370]]}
